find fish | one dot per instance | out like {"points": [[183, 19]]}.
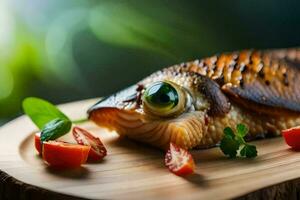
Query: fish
{"points": [[190, 104]]}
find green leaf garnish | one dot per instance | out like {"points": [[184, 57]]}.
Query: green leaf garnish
{"points": [[249, 151], [41, 112], [229, 146], [55, 129], [48, 118], [242, 130], [228, 132], [231, 143]]}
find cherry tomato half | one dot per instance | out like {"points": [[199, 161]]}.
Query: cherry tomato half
{"points": [[83, 137], [64, 155], [37, 142], [292, 137], [179, 161]]}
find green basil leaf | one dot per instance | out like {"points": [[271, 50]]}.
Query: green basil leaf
{"points": [[55, 129], [41, 112]]}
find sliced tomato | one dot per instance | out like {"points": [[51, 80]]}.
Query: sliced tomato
{"points": [[179, 161], [37, 142], [83, 137], [292, 137], [65, 155]]}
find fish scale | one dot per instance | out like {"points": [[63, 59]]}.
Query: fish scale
{"points": [[257, 88], [234, 66]]}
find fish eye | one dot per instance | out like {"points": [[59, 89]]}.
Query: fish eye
{"points": [[162, 98], [161, 95]]}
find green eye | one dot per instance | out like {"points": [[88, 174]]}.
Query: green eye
{"points": [[161, 95], [163, 98]]}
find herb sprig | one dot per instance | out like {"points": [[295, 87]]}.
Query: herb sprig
{"points": [[233, 144], [52, 122]]}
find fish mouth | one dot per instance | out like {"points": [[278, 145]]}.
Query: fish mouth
{"points": [[127, 119], [118, 111]]}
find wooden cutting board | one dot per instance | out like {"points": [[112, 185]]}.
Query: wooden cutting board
{"points": [[135, 171]]}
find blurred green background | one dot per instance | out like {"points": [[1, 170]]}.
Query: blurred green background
{"points": [[76, 49]]}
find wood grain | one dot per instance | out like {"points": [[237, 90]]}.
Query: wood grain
{"points": [[135, 171]]}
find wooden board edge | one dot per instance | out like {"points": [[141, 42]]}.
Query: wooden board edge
{"points": [[13, 189], [281, 191]]}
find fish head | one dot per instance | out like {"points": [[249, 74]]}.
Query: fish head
{"points": [[165, 107]]}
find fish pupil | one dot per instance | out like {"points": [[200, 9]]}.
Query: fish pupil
{"points": [[164, 98]]}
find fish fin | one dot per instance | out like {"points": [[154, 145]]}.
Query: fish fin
{"points": [[275, 88], [219, 103]]}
